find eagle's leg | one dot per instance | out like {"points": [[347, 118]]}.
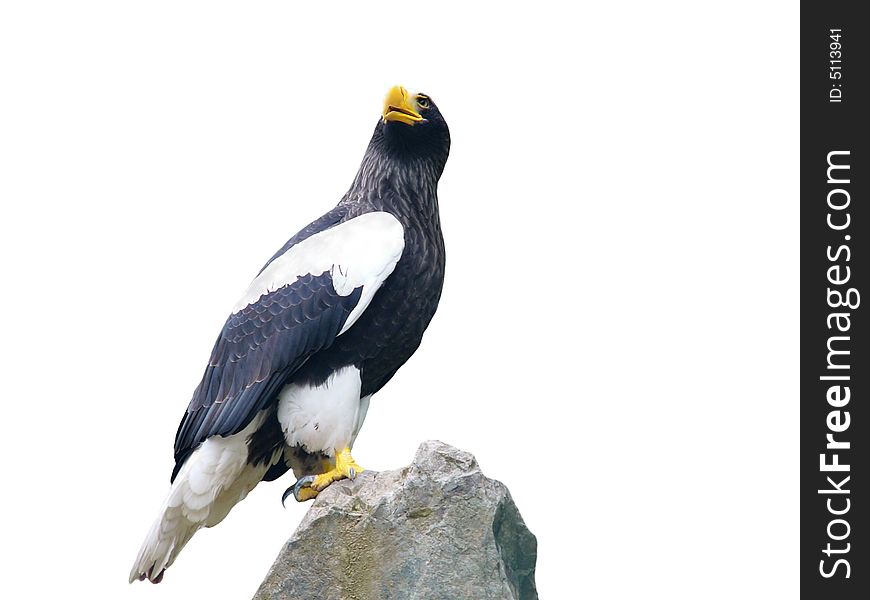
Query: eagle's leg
{"points": [[308, 487]]}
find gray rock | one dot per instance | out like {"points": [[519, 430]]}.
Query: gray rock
{"points": [[435, 529]]}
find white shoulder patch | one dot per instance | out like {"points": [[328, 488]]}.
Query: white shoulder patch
{"points": [[360, 252]]}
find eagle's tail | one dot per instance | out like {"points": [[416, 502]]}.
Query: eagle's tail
{"points": [[212, 480], [167, 536]]}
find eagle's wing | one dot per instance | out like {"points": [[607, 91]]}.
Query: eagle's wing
{"points": [[311, 292]]}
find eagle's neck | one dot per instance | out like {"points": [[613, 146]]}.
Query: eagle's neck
{"points": [[406, 187]]}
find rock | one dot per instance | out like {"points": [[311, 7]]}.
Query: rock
{"points": [[435, 529]]}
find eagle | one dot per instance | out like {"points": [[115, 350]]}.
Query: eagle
{"points": [[322, 327]]}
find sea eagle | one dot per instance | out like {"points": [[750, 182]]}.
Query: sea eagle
{"points": [[324, 325]]}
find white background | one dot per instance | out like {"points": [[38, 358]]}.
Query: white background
{"points": [[618, 335]]}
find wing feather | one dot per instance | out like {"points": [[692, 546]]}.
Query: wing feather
{"points": [[299, 303]]}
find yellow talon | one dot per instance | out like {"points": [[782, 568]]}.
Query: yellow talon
{"points": [[308, 487], [345, 468], [306, 493]]}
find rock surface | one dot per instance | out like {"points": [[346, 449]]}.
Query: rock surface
{"points": [[436, 529]]}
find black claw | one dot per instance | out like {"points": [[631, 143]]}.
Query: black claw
{"points": [[351, 472], [294, 489]]}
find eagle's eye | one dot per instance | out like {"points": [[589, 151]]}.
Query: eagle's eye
{"points": [[422, 101]]}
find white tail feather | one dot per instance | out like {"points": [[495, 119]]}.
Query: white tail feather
{"points": [[212, 480]]}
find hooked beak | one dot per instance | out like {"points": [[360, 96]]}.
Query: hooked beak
{"points": [[400, 106]]}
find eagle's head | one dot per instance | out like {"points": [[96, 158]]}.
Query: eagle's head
{"points": [[411, 126]]}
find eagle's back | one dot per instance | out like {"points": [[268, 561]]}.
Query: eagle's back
{"points": [[392, 327]]}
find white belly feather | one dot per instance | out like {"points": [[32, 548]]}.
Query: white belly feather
{"points": [[323, 418]]}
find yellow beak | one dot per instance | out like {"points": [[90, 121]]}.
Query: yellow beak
{"points": [[400, 106]]}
